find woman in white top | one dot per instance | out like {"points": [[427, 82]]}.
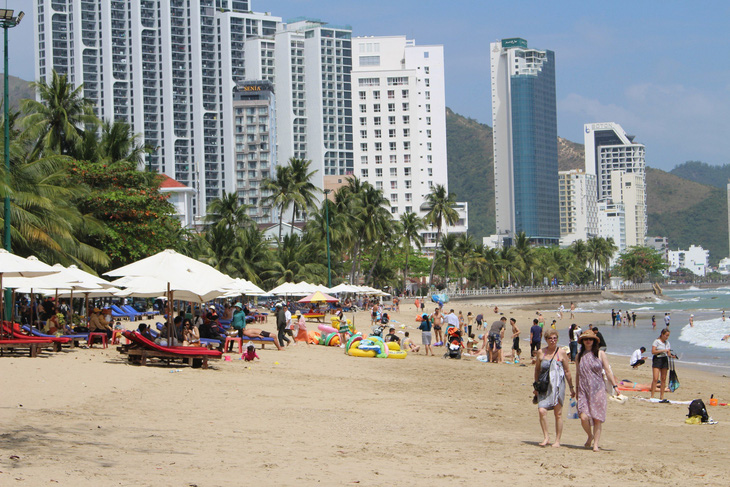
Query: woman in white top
{"points": [[660, 351]]}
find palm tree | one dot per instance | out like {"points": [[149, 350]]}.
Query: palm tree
{"points": [[411, 227], [280, 189], [227, 211], [56, 122], [441, 210], [526, 253], [304, 193], [370, 209], [580, 251], [511, 264], [465, 246], [447, 253]]}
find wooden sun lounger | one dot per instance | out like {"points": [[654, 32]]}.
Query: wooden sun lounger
{"points": [[33, 346], [141, 349]]}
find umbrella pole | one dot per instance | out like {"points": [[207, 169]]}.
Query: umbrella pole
{"points": [[71, 308], [32, 308], [86, 304], [2, 301], [13, 308], [169, 315]]}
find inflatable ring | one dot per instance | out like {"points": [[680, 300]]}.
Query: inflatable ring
{"points": [[393, 346], [326, 329], [398, 354], [353, 340], [355, 352]]}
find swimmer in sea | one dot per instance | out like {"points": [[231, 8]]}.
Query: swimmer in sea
{"points": [[726, 338]]}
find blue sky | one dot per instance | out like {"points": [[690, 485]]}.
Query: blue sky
{"points": [[659, 68]]}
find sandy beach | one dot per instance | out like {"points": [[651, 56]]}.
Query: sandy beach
{"points": [[312, 415]]}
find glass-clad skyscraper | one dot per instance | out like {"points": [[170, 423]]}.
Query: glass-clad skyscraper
{"points": [[525, 141]]}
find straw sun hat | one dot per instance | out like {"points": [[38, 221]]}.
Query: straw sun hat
{"points": [[587, 334]]}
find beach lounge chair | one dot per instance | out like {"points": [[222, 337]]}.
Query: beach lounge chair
{"points": [[37, 333], [142, 349], [118, 312], [17, 334], [134, 312]]}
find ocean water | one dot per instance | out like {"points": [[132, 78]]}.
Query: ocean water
{"points": [[699, 346]]}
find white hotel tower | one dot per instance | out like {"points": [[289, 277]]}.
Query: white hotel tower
{"points": [[399, 122], [619, 166]]}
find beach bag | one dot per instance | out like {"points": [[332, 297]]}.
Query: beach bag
{"points": [[543, 381], [697, 408], [673, 379]]}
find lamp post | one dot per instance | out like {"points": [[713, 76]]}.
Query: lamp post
{"points": [[327, 221], [7, 21]]}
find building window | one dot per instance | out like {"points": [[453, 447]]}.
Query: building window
{"points": [[391, 120], [429, 159], [376, 95], [406, 119], [376, 108], [428, 95], [394, 185], [391, 107], [408, 184], [394, 197], [428, 134], [397, 81], [428, 108], [391, 94], [430, 172], [378, 147], [394, 171], [363, 121], [409, 209], [378, 159], [405, 107], [407, 172], [426, 69], [428, 82], [362, 95], [407, 160], [394, 210], [428, 120], [364, 173], [406, 132], [369, 82], [364, 147], [369, 60], [379, 174], [406, 145], [391, 133], [428, 145], [377, 133], [409, 196], [364, 160], [363, 134], [404, 93], [393, 159], [392, 146], [363, 108]]}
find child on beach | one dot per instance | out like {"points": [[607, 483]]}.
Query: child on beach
{"points": [[408, 344], [250, 354]]}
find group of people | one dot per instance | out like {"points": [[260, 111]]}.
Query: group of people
{"points": [[629, 319], [552, 365]]}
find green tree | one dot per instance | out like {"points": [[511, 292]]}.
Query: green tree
{"points": [[280, 189], [464, 252], [304, 193], [411, 226], [441, 211], [639, 262], [56, 122], [228, 212]]}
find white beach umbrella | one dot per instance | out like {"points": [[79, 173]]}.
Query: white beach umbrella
{"points": [[344, 288], [12, 265], [286, 288], [153, 287], [242, 286]]}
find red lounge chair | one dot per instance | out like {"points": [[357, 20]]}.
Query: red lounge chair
{"points": [[16, 333], [141, 349]]}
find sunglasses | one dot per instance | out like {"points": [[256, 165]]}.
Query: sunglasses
{"points": [[551, 338]]}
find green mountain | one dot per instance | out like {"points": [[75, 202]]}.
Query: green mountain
{"points": [[704, 173], [685, 211], [18, 89]]}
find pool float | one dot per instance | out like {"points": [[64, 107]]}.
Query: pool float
{"points": [[332, 340], [326, 329], [393, 346], [356, 352], [353, 340], [398, 354], [313, 337]]}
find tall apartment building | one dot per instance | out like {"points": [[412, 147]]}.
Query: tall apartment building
{"points": [[628, 189], [525, 141], [166, 67], [254, 109], [578, 206], [314, 60], [612, 223], [616, 159]]}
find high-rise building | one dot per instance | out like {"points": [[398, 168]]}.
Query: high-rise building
{"points": [[525, 141], [619, 165], [315, 105], [167, 68], [578, 206], [254, 109], [612, 223], [628, 190]]}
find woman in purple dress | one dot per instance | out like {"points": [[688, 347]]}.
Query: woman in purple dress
{"points": [[592, 400]]}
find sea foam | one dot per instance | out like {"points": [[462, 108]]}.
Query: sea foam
{"points": [[707, 334]]}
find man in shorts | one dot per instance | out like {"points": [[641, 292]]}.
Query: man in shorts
{"points": [[496, 334], [516, 351], [437, 320], [535, 338]]}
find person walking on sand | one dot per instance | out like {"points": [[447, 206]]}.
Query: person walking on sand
{"points": [[469, 323], [554, 360], [535, 339], [591, 364], [496, 334], [425, 328], [572, 310], [417, 304], [516, 351], [437, 320]]}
